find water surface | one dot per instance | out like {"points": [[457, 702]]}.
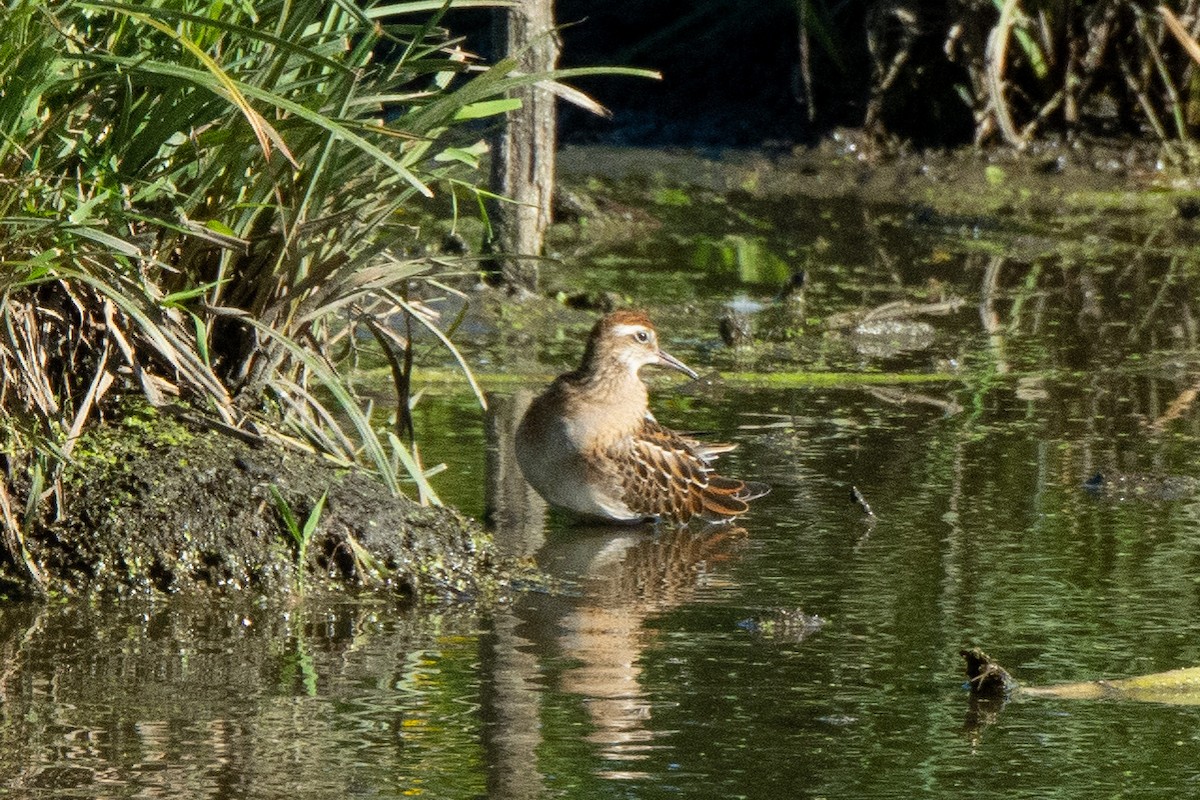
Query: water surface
{"points": [[808, 651]]}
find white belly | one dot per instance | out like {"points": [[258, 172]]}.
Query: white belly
{"points": [[551, 457]]}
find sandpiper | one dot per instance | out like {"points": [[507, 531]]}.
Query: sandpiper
{"points": [[590, 444]]}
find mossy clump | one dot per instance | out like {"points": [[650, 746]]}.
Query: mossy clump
{"points": [[156, 504]]}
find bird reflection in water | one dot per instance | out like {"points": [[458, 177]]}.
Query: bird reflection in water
{"points": [[612, 579], [626, 579]]}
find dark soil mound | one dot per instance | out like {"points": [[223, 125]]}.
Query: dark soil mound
{"points": [[159, 506]]}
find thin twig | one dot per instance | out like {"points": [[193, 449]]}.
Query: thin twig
{"points": [[997, 55]]}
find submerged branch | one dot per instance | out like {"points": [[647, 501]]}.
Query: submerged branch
{"points": [[1177, 687]]}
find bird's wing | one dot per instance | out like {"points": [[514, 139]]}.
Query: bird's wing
{"points": [[671, 477]]}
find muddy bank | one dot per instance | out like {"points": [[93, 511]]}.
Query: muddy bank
{"points": [[846, 164], [756, 216], [157, 505]]}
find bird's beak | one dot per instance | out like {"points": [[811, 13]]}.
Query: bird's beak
{"points": [[668, 360]]}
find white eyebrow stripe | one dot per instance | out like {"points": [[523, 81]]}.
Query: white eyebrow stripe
{"points": [[626, 329]]}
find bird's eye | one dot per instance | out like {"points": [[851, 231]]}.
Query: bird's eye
{"points": [[642, 336]]}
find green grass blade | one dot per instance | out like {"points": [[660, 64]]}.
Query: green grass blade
{"points": [[285, 512], [314, 518]]}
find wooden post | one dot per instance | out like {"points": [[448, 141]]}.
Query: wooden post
{"points": [[523, 151]]}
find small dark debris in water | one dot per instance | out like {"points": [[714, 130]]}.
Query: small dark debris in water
{"points": [[990, 687], [985, 677], [1188, 207], [1138, 486], [794, 288], [594, 301], [783, 624], [860, 501], [735, 329]]}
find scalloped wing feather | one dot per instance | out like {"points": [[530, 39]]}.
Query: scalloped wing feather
{"points": [[672, 477]]}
